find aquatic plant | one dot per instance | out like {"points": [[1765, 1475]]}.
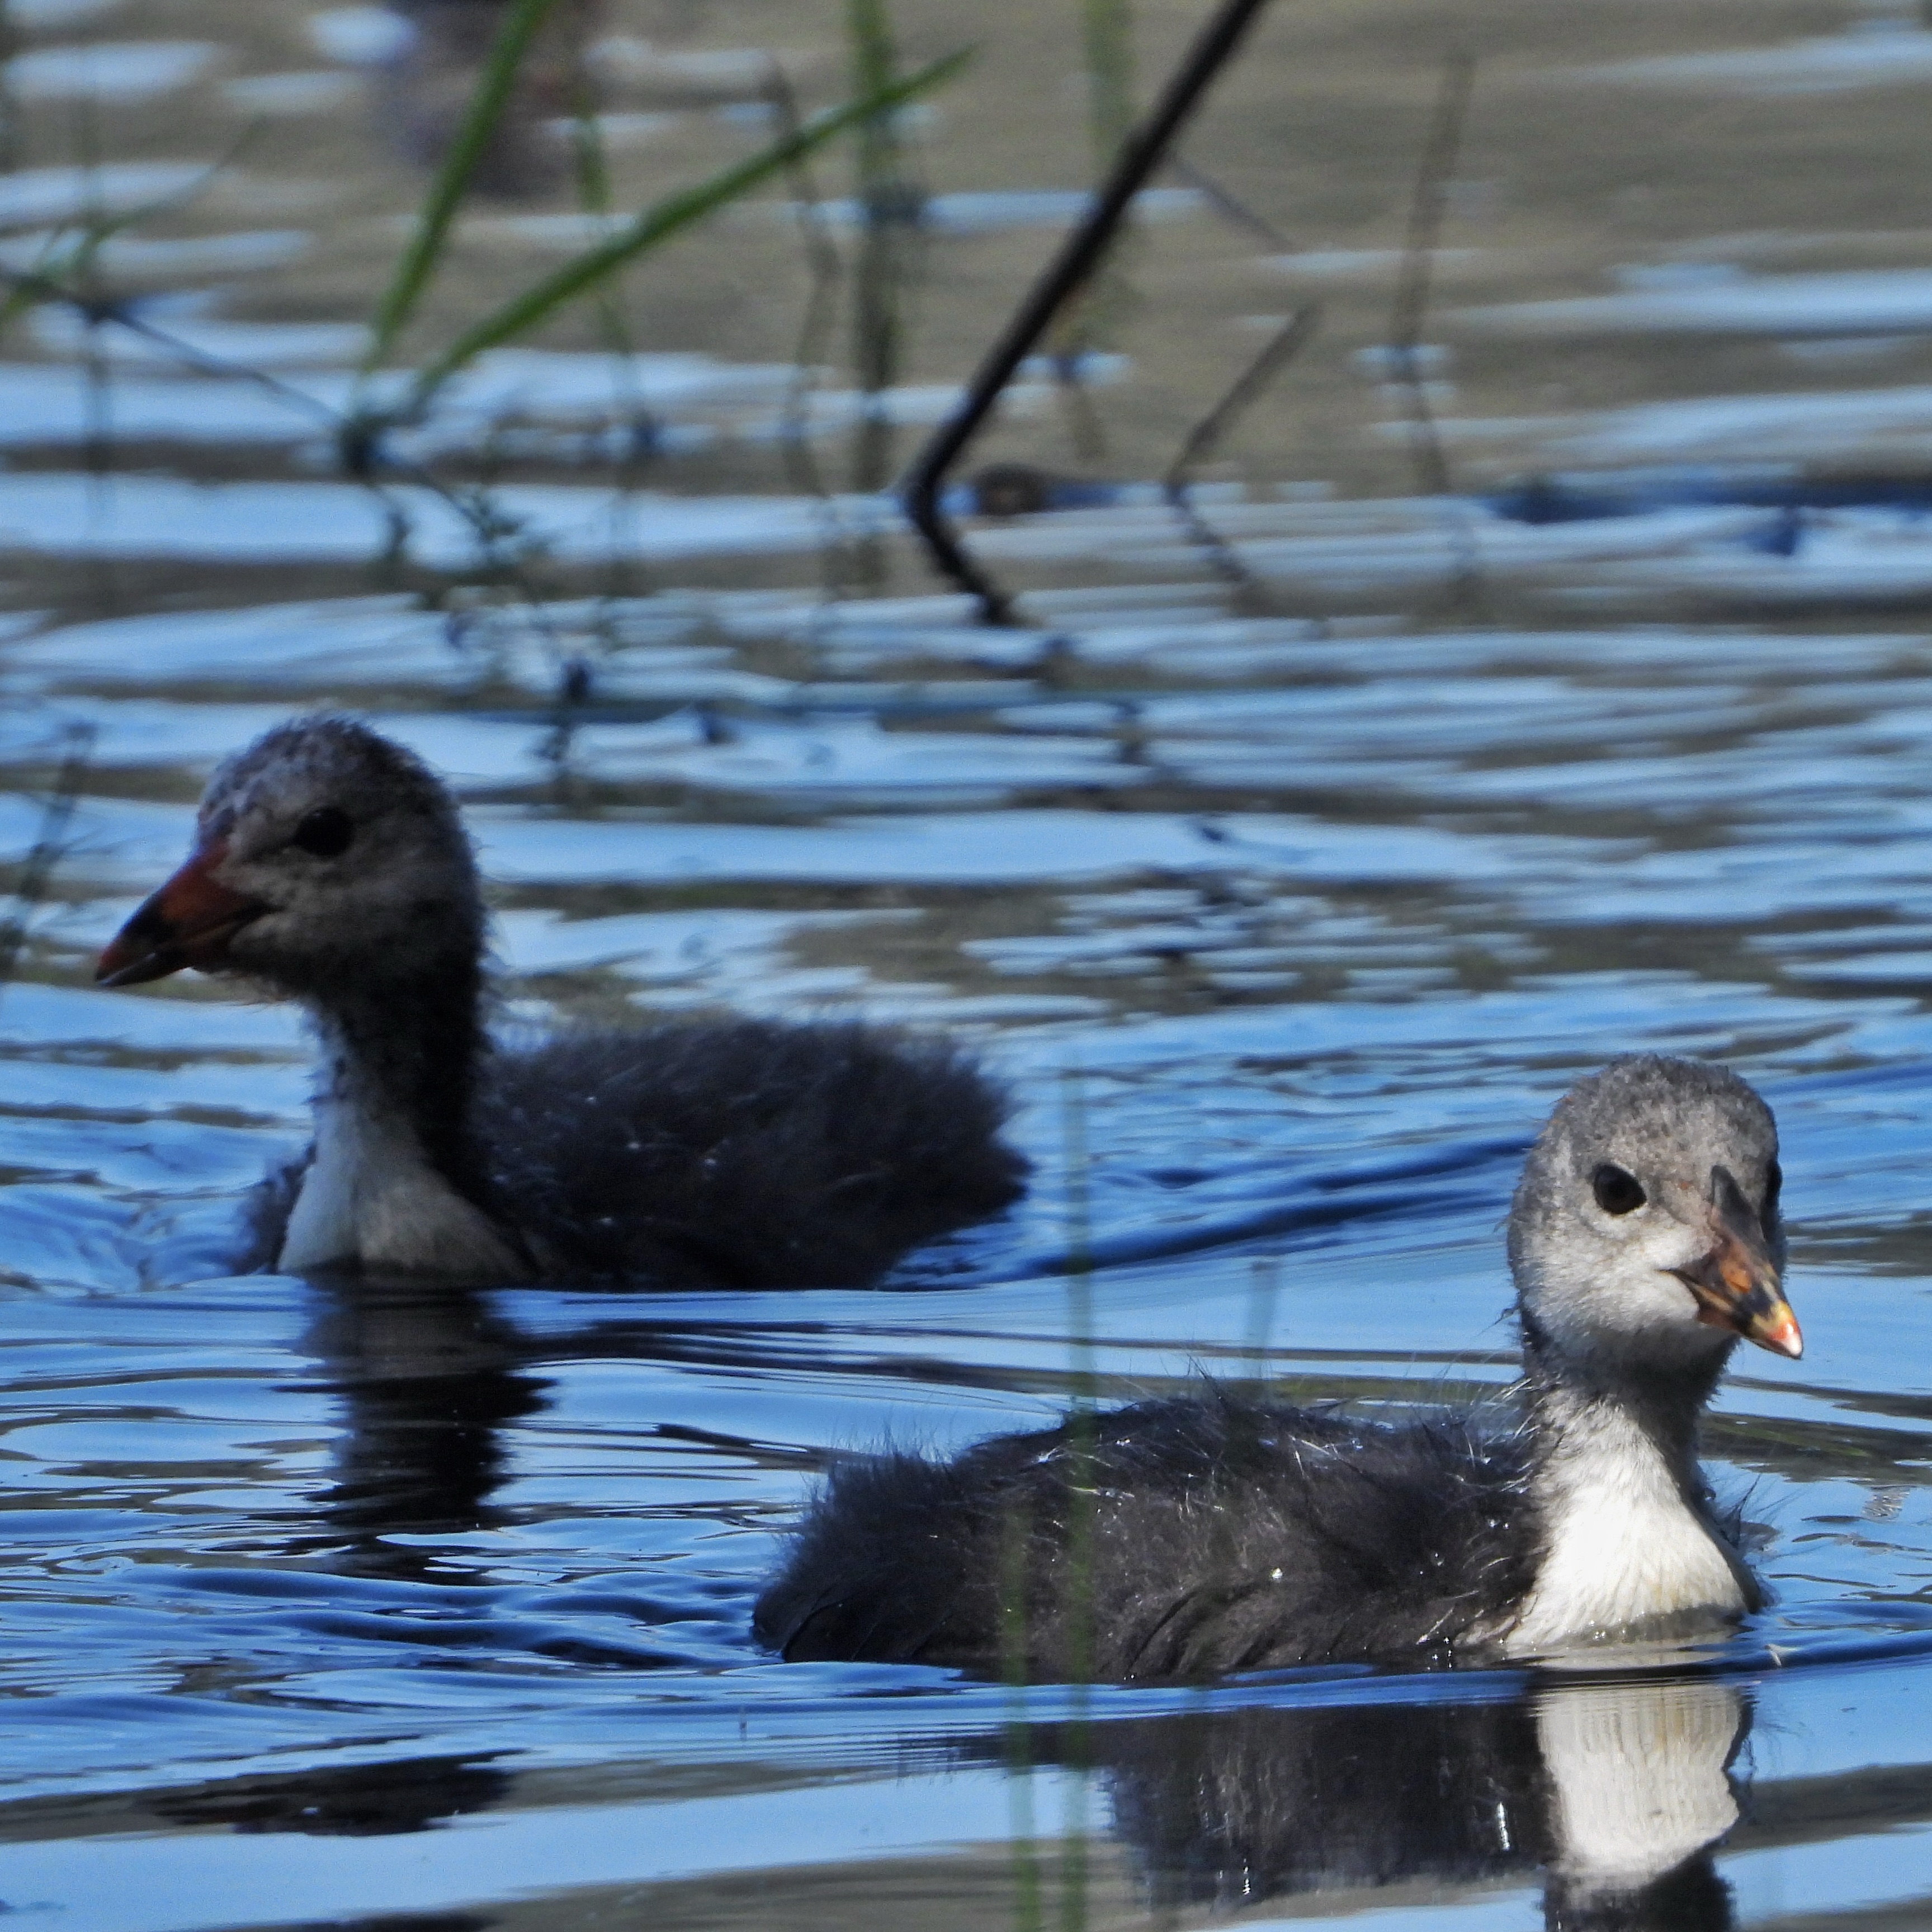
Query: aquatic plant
{"points": [[1094, 319], [37, 869], [890, 202], [434, 220], [382, 402], [590, 270]]}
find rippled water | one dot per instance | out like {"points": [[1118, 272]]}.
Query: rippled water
{"points": [[1285, 913]]}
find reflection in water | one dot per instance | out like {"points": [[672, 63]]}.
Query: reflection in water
{"points": [[429, 1374], [354, 1802], [1617, 1792], [1637, 1783]]}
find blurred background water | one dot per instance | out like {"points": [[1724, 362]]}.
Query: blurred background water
{"points": [[1287, 863]]}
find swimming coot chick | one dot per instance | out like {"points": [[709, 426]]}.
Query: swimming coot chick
{"points": [[330, 867], [1189, 1537]]}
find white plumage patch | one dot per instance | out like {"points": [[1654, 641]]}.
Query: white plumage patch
{"points": [[370, 1199], [1623, 1545]]}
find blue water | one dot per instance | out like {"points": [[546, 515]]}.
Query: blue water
{"points": [[385, 1601], [1285, 913]]}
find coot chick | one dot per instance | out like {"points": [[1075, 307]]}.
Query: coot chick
{"points": [[1187, 1538], [330, 867]]}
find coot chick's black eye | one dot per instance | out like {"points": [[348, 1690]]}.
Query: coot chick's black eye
{"points": [[326, 831], [1617, 1192], [1774, 1186]]}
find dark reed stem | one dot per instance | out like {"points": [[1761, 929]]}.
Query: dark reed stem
{"points": [[1079, 255]]}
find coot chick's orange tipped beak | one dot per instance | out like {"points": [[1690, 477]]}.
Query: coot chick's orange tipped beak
{"points": [[190, 922], [1736, 1284]]}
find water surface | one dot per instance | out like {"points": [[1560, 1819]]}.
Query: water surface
{"points": [[1285, 907]]}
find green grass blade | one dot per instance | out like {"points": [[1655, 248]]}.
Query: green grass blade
{"points": [[658, 224], [419, 259]]}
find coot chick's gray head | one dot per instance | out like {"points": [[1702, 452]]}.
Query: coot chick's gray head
{"points": [[326, 859], [1645, 1236]]}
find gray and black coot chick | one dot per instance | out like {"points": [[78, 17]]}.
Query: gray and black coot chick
{"points": [[1190, 1537], [330, 867]]}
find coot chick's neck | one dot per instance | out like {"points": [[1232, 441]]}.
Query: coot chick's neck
{"points": [[397, 1178], [407, 1049], [1627, 1539]]}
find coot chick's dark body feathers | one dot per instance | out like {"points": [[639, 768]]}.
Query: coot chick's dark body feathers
{"points": [[331, 866], [1222, 1533], [1184, 1538], [741, 1153]]}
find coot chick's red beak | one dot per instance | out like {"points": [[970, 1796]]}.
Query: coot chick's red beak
{"points": [[190, 922], [1736, 1284]]}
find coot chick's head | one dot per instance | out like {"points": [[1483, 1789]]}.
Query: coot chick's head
{"points": [[329, 863], [1645, 1237]]}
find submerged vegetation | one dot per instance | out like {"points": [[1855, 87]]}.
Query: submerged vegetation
{"points": [[387, 431]]}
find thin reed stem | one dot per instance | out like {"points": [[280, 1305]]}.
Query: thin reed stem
{"points": [[1016, 1734], [37, 873], [655, 226], [1264, 1290], [1093, 321], [1082, 1497], [1427, 209], [418, 262], [1205, 438], [889, 215], [1081, 1380]]}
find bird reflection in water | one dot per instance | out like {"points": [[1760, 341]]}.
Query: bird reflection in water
{"points": [[1616, 1792], [357, 1801], [429, 1376]]}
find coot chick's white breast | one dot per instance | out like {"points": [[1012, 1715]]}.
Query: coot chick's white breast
{"points": [[1187, 1538], [331, 866]]}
